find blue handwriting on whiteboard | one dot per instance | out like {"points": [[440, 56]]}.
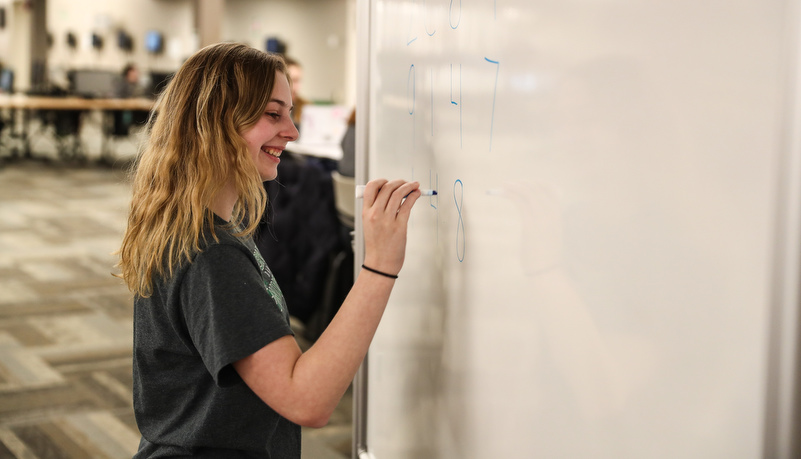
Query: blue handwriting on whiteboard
{"points": [[426, 24], [450, 15], [409, 37], [459, 104], [410, 90], [431, 73], [494, 95], [460, 223]]}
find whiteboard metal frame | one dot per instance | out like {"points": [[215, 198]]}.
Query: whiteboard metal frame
{"points": [[781, 403], [363, 17]]}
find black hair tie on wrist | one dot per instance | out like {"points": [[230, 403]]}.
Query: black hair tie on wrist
{"points": [[391, 276]]}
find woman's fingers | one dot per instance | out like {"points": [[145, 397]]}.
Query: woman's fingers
{"points": [[389, 196], [385, 193], [371, 192], [386, 211], [406, 206]]}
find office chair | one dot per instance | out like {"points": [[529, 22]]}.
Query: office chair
{"points": [[120, 126], [64, 128], [344, 198], [340, 271], [6, 119]]}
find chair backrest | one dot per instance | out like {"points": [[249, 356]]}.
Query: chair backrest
{"points": [[344, 198]]}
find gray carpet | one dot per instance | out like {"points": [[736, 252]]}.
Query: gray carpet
{"points": [[65, 322]]}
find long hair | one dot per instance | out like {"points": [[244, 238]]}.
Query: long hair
{"points": [[194, 150]]}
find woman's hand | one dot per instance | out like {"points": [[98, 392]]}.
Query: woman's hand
{"points": [[385, 215]]}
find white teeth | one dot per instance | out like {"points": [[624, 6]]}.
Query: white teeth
{"points": [[272, 151]]}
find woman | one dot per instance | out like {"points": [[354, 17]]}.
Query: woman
{"points": [[217, 372]]}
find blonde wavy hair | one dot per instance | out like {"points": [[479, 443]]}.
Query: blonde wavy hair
{"points": [[195, 148]]}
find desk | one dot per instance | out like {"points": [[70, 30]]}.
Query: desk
{"points": [[27, 104], [23, 102]]}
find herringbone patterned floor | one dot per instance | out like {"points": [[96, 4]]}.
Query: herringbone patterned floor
{"points": [[65, 322]]}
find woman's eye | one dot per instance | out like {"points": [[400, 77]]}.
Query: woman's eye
{"points": [[274, 116]]}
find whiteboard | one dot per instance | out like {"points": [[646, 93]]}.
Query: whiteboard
{"points": [[597, 276]]}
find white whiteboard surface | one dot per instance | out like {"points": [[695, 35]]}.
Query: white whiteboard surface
{"points": [[595, 278]]}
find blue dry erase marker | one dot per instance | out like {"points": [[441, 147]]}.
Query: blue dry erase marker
{"points": [[360, 192]]}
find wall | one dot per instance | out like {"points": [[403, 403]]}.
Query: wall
{"points": [[314, 31], [174, 18], [320, 34], [20, 47], [5, 33]]}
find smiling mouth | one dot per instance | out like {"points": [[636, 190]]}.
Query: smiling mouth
{"points": [[272, 151]]}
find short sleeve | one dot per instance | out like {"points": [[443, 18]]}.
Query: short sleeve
{"points": [[229, 312]]}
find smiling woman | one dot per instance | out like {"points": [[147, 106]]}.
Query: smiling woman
{"points": [[216, 370], [268, 137]]}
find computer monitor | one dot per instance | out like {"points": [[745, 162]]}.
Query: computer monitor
{"points": [[94, 83], [7, 81], [97, 41], [275, 45], [154, 41], [124, 41]]}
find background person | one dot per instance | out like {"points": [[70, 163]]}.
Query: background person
{"points": [[128, 84], [295, 72], [347, 164], [299, 231]]}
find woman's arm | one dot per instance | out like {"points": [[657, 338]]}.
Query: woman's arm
{"points": [[306, 387]]}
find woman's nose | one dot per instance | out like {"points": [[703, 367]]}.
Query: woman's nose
{"points": [[291, 131]]}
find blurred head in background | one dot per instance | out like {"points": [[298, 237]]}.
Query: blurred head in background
{"points": [[295, 73]]}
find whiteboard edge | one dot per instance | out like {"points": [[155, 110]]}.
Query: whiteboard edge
{"points": [[363, 15], [781, 404]]}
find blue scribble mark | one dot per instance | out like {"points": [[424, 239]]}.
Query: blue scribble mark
{"points": [[460, 246], [494, 96]]}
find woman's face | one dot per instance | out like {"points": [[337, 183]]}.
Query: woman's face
{"points": [[268, 137]]}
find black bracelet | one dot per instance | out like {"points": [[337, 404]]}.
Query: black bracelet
{"points": [[391, 276]]}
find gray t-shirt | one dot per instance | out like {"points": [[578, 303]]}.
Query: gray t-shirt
{"points": [[188, 399]]}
